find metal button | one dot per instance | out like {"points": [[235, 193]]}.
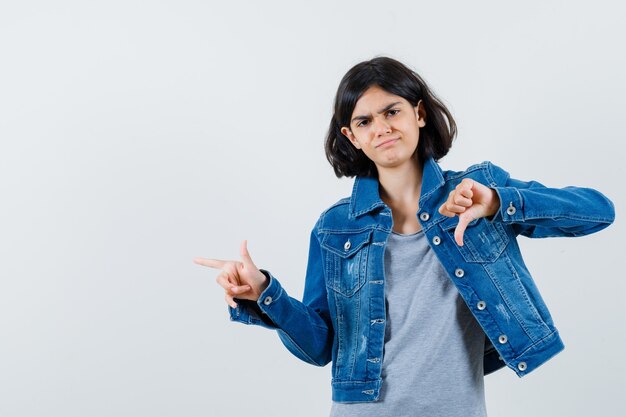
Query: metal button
{"points": [[267, 301], [510, 210], [481, 305], [503, 339], [521, 366], [424, 216], [347, 245], [436, 240], [500, 357], [459, 272]]}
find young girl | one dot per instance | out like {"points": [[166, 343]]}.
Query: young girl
{"points": [[415, 285]]}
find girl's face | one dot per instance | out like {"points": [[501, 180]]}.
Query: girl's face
{"points": [[385, 127]]}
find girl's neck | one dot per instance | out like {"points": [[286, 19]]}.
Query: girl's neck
{"points": [[400, 186]]}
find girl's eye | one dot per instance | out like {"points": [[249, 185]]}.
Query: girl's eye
{"points": [[391, 112]]}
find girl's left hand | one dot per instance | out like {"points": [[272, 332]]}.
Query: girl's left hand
{"points": [[241, 279], [469, 200]]}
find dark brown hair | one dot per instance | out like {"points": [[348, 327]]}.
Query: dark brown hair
{"points": [[394, 77]]}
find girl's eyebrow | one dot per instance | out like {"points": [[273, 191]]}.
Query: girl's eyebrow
{"points": [[387, 107]]}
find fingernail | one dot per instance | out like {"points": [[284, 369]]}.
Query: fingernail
{"points": [[233, 289]]}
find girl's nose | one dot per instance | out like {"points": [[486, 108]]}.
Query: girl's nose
{"points": [[382, 127]]}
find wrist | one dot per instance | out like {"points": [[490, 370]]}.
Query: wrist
{"points": [[495, 204], [496, 201], [265, 282]]}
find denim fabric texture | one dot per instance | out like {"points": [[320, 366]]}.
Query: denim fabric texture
{"points": [[341, 317]]}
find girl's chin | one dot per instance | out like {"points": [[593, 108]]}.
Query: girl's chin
{"points": [[393, 162]]}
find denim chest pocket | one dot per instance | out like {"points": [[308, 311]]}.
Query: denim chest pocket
{"points": [[482, 241], [346, 260]]}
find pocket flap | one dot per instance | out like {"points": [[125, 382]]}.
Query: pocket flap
{"points": [[451, 222], [345, 244]]}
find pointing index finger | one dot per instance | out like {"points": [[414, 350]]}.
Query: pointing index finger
{"points": [[213, 263]]}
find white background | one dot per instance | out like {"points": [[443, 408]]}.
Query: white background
{"points": [[135, 136]]}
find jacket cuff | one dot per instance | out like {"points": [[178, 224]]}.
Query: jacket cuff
{"points": [[511, 205], [250, 312]]}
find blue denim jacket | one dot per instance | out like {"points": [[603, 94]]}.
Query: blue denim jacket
{"points": [[342, 314]]}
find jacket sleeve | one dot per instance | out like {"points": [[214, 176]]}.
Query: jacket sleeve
{"points": [[537, 211], [304, 327]]}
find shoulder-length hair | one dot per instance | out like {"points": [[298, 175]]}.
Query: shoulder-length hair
{"points": [[394, 77]]}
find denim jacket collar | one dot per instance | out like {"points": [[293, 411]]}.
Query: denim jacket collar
{"points": [[366, 197]]}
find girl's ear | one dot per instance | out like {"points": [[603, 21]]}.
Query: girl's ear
{"points": [[348, 133], [420, 113]]}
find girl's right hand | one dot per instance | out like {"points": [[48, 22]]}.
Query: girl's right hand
{"points": [[239, 279]]}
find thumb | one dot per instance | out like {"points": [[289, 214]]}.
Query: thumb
{"points": [[476, 211], [245, 255], [459, 230], [464, 219]]}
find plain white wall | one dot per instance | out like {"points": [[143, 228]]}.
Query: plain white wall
{"points": [[135, 136]]}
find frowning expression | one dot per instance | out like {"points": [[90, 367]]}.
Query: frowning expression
{"points": [[385, 127]]}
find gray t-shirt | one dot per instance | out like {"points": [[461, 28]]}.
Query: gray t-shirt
{"points": [[433, 354]]}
